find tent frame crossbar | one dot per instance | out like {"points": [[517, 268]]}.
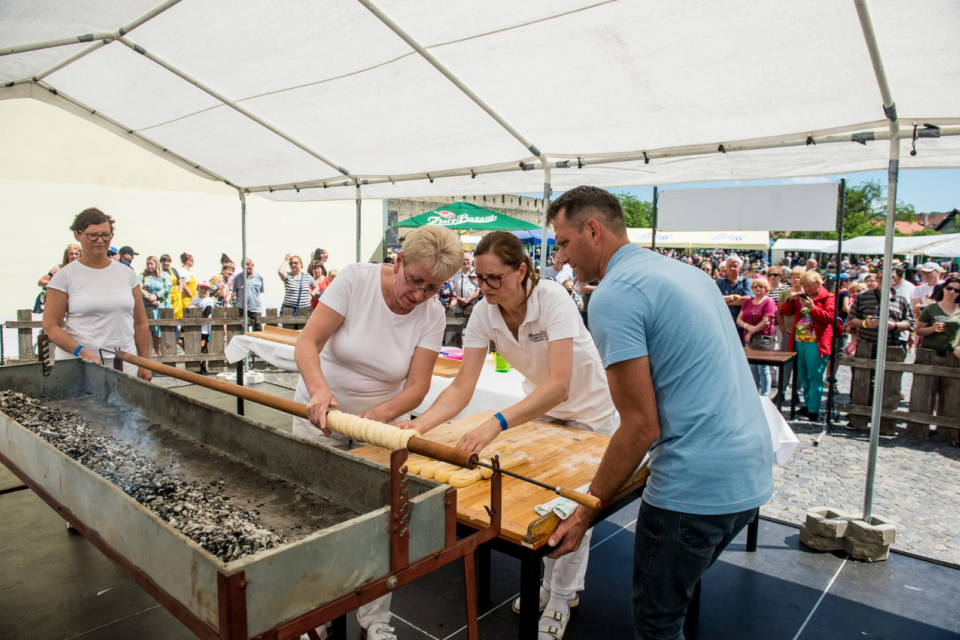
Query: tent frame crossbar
{"points": [[120, 129], [449, 75], [230, 103], [798, 140], [890, 110], [103, 36]]}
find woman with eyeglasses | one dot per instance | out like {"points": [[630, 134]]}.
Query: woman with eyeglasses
{"points": [[939, 322], [370, 347], [94, 303], [296, 284], [757, 318], [538, 330]]}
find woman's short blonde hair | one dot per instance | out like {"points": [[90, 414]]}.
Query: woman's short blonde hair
{"points": [[435, 248], [856, 287], [762, 281], [810, 276]]}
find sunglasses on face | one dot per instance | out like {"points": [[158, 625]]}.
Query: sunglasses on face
{"points": [[953, 289]]}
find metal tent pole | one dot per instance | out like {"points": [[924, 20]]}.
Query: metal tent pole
{"points": [[653, 235], [547, 192], [893, 170], [831, 399], [358, 220]]}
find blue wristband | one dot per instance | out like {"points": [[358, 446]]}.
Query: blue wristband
{"points": [[76, 352], [501, 420]]}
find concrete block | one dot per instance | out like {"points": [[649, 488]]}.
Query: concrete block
{"points": [[828, 529]]}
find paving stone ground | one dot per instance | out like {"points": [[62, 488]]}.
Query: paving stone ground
{"points": [[917, 482]]}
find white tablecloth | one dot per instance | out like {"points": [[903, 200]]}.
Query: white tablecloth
{"points": [[494, 391]]}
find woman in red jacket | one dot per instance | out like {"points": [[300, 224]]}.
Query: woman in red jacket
{"points": [[811, 337]]}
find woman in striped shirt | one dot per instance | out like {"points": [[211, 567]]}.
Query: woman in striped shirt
{"points": [[296, 284]]}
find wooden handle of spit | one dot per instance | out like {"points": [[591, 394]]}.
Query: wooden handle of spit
{"points": [[585, 499], [415, 445]]}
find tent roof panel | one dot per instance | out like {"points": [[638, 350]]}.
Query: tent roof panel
{"points": [[403, 105], [130, 88], [228, 143]]}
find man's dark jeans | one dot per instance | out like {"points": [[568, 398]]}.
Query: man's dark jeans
{"points": [[671, 552]]}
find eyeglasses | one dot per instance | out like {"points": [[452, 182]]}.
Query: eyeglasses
{"points": [[294, 264], [418, 285], [494, 282], [953, 289], [93, 237], [758, 288]]}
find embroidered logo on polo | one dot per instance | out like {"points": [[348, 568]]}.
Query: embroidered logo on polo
{"points": [[538, 337]]}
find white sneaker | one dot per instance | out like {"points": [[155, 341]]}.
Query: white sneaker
{"points": [[544, 599], [379, 631]]}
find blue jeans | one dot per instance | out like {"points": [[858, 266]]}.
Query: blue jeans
{"points": [[761, 377], [671, 552]]}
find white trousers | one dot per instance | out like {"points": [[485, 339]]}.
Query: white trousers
{"points": [[379, 609], [563, 577]]}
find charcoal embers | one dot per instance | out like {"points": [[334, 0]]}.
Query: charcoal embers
{"points": [[196, 509]]}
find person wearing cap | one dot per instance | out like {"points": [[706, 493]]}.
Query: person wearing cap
{"points": [[923, 294], [113, 254], [126, 255], [205, 303]]}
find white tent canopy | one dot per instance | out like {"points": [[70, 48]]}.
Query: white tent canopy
{"points": [[743, 240], [805, 245], [908, 245], [445, 97], [948, 250]]}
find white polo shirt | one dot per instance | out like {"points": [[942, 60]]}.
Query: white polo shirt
{"points": [[551, 315]]}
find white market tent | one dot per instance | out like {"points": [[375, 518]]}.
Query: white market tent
{"points": [[908, 245], [742, 240], [948, 250], [393, 98], [805, 245]]}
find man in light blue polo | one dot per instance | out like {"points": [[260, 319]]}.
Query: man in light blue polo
{"points": [[680, 381]]}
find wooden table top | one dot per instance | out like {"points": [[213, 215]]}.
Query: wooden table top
{"points": [[769, 356], [558, 456], [445, 367]]}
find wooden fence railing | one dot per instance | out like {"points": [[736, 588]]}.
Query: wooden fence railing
{"points": [[225, 323], [934, 397]]}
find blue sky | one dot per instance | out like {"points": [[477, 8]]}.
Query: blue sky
{"points": [[928, 190]]}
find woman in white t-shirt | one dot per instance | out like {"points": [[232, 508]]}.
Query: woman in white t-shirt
{"points": [[370, 347], [538, 330], [95, 303]]}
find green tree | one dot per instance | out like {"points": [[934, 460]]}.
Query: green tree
{"points": [[638, 213]]}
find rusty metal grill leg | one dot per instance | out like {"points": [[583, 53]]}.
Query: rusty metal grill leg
{"points": [[399, 512], [232, 594], [470, 587]]}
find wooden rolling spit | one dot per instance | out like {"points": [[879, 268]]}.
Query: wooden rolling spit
{"points": [[338, 421]]}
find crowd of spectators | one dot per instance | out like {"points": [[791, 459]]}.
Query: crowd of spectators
{"points": [[795, 304]]}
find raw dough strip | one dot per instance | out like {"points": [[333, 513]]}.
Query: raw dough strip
{"points": [[509, 459], [464, 478], [443, 473], [378, 433]]}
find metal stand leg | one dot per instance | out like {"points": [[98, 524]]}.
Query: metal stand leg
{"points": [[753, 530], [470, 589], [780, 386], [529, 595], [338, 628], [483, 574], [240, 383], [796, 387]]}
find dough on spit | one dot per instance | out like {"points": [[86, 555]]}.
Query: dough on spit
{"points": [[464, 478]]}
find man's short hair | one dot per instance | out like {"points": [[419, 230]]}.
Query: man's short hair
{"points": [[734, 258], [584, 202]]}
